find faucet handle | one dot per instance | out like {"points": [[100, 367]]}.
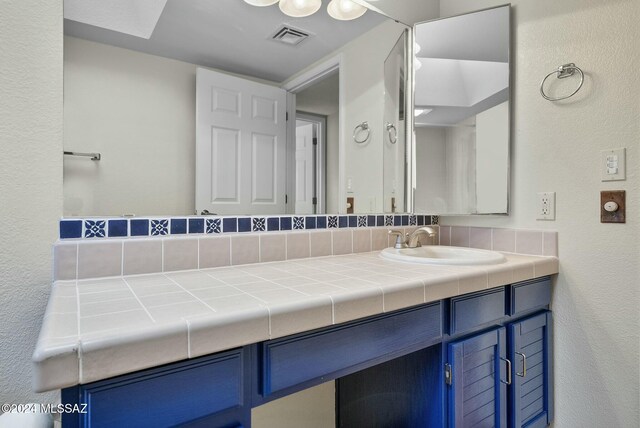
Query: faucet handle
{"points": [[401, 238]]}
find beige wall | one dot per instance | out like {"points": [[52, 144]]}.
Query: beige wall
{"points": [[556, 147], [362, 71], [30, 181], [138, 111]]}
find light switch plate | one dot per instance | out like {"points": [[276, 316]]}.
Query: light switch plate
{"points": [[613, 164]]}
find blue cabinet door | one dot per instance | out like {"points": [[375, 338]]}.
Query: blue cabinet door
{"points": [[531, 394], [477, 391]]}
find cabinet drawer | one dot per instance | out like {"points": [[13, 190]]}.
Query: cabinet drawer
{"points": [[530, 295], [319, 355], [476, 309], [169, 395]]}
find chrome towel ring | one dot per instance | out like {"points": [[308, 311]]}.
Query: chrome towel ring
{"points": [[562, 72], [393, 137], [362, 128]]}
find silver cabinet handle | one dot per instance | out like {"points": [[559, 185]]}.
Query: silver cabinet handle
{"points": [[524, 365], [508, 382]]}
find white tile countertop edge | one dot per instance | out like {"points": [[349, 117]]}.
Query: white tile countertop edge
{"points": [[100, 328]]}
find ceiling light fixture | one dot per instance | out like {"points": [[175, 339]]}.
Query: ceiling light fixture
{"points": [[299, 8], [345, 10], [261, 3]]}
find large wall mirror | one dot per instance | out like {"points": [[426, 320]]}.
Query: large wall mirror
{"points": [[224, 107], [462, 120]]}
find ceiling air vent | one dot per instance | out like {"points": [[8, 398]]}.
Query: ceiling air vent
{"points": [[290, 36]]}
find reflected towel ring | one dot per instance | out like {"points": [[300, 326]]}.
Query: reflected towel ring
{"points": [[562, 72], [392, 137], [363, 127]]}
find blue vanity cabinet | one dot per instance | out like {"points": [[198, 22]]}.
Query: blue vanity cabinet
{"points": [[480, 359], [478, 373], [297, 362], [211, 391], [531, 391]]}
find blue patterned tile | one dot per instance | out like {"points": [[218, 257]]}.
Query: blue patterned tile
{"points": [[273, 223], [343, 221], [388, 220], [285, 223], [196, 225], [258, 224], [178, 226], [244, 224], [298, 223], [95, 228], [159, 227], [118, 228], [380, 220], [230, 224], [362, 221], [332, 222], [413, 221], [434, 219], [70, 229], [353, 221], [139, 227], [321, 222], [310, 222], [397, 220], [214, 225]]}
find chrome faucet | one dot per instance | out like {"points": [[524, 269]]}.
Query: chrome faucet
{"points": [[411, 241], [401, 239]]}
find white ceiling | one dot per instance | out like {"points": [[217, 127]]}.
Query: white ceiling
{"points": [[230, 35], [479, 36], [137, 18]]}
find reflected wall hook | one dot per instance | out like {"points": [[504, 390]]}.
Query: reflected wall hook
{"points": [[393, 132], [362, 128], [563, 72]]}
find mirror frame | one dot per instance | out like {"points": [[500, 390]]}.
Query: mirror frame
{"points": [[510, 117]]}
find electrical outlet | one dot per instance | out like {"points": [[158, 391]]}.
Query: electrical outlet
{"points": [[546, 206]]}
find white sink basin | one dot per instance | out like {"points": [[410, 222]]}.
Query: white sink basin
{"points": [[441, 255]]}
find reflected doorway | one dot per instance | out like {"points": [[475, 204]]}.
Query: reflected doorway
{"points": [[317, 146]]}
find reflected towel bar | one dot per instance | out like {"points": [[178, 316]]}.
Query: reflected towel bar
{"points": [[93, 156]]}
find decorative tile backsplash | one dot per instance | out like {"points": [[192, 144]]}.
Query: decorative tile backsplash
{"points": [[96, 228], [179, 250], [96, 258]]}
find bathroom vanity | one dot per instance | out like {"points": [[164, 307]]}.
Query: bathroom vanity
{"points": [[422, 346]]}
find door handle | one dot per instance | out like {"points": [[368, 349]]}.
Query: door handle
{"points": [[524, 365], [508, 381]]}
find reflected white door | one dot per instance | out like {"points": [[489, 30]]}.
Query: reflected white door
{"points": [[240, 145], [305, 174]]}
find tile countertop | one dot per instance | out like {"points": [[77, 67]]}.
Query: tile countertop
{"points": [[99, 328]]}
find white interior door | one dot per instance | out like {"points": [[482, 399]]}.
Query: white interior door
{"points": [[240, 145], [305, 174]]}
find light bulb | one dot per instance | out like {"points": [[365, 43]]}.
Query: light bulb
{"points": [[261, 2], [299, 8], [345, 10]]}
